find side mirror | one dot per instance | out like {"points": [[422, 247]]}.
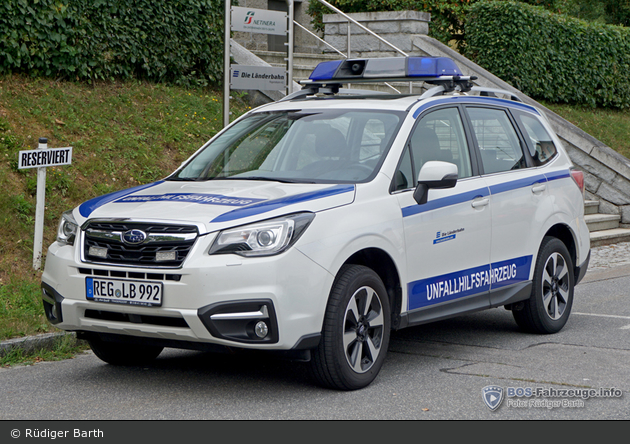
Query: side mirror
{"points": [[434, 174]]}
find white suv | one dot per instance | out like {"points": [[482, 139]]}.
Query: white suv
{"points": [[317, 224]]}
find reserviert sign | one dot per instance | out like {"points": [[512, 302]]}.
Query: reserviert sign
{"points": [[45, 157]]}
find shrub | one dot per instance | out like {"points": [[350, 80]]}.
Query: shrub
{"points": [[551, 56], [161, 40]]}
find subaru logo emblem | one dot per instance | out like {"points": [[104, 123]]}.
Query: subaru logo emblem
{"points": [[492, 396], [133, 237]]}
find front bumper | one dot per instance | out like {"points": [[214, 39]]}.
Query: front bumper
{"points": [[216, 299]]}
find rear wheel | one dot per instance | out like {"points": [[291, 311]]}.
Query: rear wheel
{"points": [[120, 353], [356, 331], [548, 308]]}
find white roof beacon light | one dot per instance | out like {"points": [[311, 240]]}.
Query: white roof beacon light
{"points": [[328, 76]]}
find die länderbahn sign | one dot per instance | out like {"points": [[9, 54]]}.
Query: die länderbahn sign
{"points": [[264, 78]]}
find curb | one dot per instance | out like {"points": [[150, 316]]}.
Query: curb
{"points": [[28, 344]]}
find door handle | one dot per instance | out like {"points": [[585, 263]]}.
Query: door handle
{"points": [[539, 188], [478, 203]]}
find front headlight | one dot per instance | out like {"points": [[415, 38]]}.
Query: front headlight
{"points": [[67, 230], [265, 238]]}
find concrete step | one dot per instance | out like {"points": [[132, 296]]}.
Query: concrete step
{"points": [[608, 237], [591, 206], [599, 222]]}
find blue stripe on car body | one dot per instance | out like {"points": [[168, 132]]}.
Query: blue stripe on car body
{"points": [[445, 202], [462, 283], [482, 192], [270, 205], [86, 208]]}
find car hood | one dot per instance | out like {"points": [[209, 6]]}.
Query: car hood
{"points": [[214, 204]]}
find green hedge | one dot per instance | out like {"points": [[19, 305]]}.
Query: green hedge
{"points": [[551, 56], [177, 41]]}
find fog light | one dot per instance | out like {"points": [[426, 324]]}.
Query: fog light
{"points": [[98, 252], [261, 329]]}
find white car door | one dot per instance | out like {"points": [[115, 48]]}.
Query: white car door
{"points": [[447, 238], [519, 201]]}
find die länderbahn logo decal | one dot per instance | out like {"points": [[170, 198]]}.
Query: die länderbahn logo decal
{"points": [[492, 396]]}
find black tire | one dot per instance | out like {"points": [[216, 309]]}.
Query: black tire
{"points": [[119, 353], [356, 331], [548, 308]]}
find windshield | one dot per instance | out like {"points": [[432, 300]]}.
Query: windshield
{"points": [[298, 146]]}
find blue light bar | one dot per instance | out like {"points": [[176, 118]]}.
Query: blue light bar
{"points": [[384, 68], [431, 67], [325, 70]]}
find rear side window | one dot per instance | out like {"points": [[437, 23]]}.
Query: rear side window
{"points": [[539, 142], [498, 141]]}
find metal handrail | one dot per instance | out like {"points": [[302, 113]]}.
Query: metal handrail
{"points": [[334, 49], [320, 39], [365, 28], [350, 19]]}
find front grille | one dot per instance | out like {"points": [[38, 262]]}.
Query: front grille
{"points": [[131, 274], [161, 239]]}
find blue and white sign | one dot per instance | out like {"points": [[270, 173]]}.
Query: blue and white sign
{"points": [[263, 78], [259, 21]]}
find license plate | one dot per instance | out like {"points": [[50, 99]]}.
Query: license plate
{"points": [[120, 291]]}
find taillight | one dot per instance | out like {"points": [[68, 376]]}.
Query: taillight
{"points": [[578, 178]]}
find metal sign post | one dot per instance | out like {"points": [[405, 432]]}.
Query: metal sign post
{"points": [[226, 64], [255, 77], [290, 48], [41, 158]]}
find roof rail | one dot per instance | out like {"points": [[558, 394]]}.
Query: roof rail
{"points": [[483, 91], [329, 90]]}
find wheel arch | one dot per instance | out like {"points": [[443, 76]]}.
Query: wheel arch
{"points": [[564, 233], [383, 265]]}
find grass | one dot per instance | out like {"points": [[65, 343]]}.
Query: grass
{"points": [[607, 125], [122, 134], [63, 347]]}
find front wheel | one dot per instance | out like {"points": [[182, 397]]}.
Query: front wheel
{"points": [[356, 331], [548, 308]]}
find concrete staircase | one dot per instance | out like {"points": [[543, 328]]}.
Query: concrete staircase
{"points": [[604, 228]]}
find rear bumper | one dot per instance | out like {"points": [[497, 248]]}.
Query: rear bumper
{"points": [[580, 270]]}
